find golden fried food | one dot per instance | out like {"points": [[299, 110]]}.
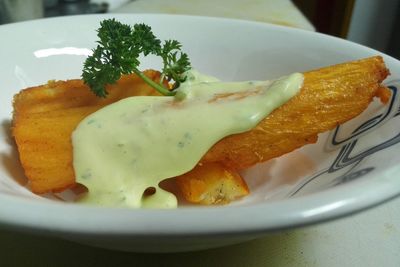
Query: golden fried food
{"points": [[330, 96], [62, 95], [45, 116], [212, 183]]}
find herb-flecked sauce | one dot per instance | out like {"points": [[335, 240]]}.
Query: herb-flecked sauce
{"points": [[134, 144]]}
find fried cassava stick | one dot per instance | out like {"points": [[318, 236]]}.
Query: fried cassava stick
{"points": [[45, 116]]}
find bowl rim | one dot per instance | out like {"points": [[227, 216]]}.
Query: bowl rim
{"points": [[298, 211], [23, 213]]}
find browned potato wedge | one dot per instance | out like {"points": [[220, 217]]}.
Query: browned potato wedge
{"points": [[212, 183], [45, 116], [330, 96]]}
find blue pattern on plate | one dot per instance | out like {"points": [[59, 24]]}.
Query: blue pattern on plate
{"points": [[348, 145]]}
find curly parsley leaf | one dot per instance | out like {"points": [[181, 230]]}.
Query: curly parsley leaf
{"points": [[175, 65], [118, 51]]}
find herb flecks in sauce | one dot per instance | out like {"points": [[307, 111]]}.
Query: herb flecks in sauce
{"points": [[168, 139]]}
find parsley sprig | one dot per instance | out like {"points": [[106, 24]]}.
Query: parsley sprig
{"points": [[118, 52]]}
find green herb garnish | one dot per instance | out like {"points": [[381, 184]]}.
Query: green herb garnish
{"points": [[118, 52]]}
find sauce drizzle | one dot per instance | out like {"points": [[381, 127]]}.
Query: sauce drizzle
{"points": [[134, 144]]}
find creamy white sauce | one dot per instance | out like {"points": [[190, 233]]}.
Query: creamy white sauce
{"points": [[131, 145]]}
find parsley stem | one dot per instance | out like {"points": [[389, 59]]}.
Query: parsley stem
{"points": [[161, 89]]}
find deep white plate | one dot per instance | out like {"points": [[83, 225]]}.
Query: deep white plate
{"points": [[353, 168]]}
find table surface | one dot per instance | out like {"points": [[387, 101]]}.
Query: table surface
{"points": [[282, 12], [371, 238]]}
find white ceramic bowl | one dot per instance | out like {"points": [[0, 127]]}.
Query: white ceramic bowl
{"points": [[310, 185]]}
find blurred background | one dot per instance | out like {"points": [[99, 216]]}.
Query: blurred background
{"points": [[369, 22]]}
